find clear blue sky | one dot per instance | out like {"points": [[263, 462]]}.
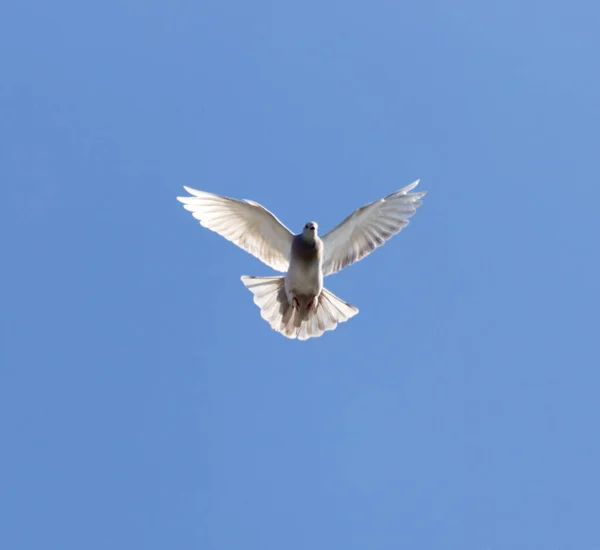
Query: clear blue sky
{"points": [[143, 401]]}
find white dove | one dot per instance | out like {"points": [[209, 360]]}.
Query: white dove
{"points": [[297, 305]]}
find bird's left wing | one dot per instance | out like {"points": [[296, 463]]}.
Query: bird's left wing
{"points": [[245, 223], [368, 228]]}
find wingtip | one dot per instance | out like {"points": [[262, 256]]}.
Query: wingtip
{"points": [[193, 194], [405, 192], [183, 199], [410, 186]]}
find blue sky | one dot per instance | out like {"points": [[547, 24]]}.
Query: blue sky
{"points": [[143, 401]]}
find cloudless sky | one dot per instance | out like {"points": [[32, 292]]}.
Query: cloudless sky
{"points": [[145, 404]]}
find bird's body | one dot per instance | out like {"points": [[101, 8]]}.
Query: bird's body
{"points": [[297, 305], [304, 278]]}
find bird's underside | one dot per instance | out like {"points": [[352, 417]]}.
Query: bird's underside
{"points": [[302, 316], [296, 304]]}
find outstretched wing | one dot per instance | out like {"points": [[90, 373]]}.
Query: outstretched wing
{"points": [[368, 228], [245, 223]]}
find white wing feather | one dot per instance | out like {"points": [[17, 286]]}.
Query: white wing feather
{"points": [[368, 228], [245, 223]]}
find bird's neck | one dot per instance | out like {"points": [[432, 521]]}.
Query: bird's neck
{"points": [[309, 241], [306, 248]]}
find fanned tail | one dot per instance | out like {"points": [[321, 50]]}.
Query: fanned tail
{"points": [[325, 314]]}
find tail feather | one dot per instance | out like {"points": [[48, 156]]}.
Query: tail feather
{"points": [[271, 298]]}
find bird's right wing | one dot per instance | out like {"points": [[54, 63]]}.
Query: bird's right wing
{"points": [[245, 223]]}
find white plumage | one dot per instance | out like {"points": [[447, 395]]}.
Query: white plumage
{"points": [[297, 305]]}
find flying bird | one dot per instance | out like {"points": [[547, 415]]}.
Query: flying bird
{"points": [[296, 304]]}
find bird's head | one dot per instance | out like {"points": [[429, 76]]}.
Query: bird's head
{"points": [[310, 230]]}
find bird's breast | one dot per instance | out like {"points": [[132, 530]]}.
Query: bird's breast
{"points": [[305, 277]]}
